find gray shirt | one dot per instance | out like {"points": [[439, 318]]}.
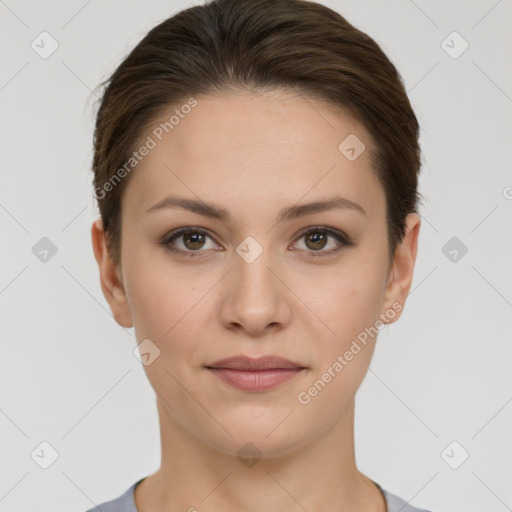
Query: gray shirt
{"points": [[126, 502]]}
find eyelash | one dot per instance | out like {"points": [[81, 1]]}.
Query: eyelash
{"points": [[342, 238]]}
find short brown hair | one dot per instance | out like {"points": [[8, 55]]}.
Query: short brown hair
{"points": [[259, 45]]}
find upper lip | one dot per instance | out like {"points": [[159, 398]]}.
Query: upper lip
{"points": [[255, 364]]}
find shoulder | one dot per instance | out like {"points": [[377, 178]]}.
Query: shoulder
{"points": [[397, 504], [124, 503]]}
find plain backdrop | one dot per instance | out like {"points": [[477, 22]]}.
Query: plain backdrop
{"points": [[440, 375]]}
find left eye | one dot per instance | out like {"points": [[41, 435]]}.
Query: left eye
{"points": [[315, 240]]}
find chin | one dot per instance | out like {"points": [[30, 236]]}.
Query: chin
{"points": [[256, 438], [251, 449]]}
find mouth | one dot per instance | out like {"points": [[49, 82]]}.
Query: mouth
{"points": [[255, 374]]}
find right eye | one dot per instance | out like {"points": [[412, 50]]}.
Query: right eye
{"points": [[188, 241]]}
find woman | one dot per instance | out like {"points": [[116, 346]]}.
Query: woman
{"points": [[256, 167]]}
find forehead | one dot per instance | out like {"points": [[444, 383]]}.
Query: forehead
{"points": [[253, 149]]}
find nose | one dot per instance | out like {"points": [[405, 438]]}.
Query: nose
{"points": [[255, 297]]}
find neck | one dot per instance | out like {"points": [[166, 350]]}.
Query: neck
{"points": [[195, 476]]}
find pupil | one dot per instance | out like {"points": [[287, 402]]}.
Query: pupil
{"points": [[196, 240], [318, 240]]}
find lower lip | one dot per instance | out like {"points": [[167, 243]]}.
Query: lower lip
{"points": [[255, 380]]}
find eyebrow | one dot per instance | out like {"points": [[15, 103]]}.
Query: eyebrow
{"points": [[285, 214]]}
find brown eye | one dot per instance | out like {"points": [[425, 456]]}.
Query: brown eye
{"points": [[189, 241], [316, 240], [193, 241]]}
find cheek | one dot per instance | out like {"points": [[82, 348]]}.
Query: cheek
{"points": [[344, 355], [350, 303], [151, 305], [163, 311], [167, 305], [156, 291]]}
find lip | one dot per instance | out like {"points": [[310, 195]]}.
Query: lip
{"points": [[255, 374], [256, 363]]}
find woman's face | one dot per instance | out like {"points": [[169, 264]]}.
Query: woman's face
{"points": [[256, 281]]}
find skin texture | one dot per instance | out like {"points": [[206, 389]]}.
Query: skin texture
{"points": [[253, 154]]}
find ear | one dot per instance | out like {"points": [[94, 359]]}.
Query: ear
{"points": [[401, 271], [110, 276]]}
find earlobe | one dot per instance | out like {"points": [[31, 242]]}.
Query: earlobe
{"points": [[402, 270], [110, 279]]}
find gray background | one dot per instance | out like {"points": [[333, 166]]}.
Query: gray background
{"points": [[440, 374]]}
